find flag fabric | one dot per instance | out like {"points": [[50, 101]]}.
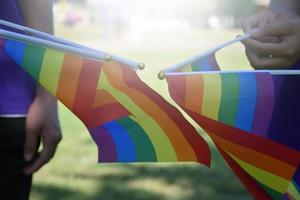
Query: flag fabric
{"points": [[128, 120], [253, 119]]}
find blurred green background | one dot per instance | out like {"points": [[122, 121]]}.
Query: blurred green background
{"points": [[159, 34]]}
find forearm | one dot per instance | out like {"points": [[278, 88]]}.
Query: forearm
{"points": [[48, 102], [37, 14], [285, 6]]}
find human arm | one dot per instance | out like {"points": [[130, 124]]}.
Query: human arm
{"points": [[42, 119], [276, 45]]}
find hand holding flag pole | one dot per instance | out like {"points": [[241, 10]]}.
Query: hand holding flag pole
{"points": [[169, 71], [64, 44]]}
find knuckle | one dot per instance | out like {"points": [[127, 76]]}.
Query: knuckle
{"points": [[254, 62], [47, 159], [58, 138]]}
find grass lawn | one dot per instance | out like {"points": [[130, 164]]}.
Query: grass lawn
{"points": [[74, 173]]}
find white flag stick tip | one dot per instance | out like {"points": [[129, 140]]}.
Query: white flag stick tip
{"points": [[161, 75], [107, 57], [141, 66]]}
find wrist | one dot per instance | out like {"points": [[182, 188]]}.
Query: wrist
{"points": [[46, 101]]}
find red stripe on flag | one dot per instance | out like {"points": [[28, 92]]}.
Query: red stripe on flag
{"points": [[199, 145], [107, 113], [260, 144], [86, 90], [177, 88], [247, 180]]}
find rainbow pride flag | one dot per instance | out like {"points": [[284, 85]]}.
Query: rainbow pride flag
{"points": [[252, 117], [206, 63], [128, 120]]}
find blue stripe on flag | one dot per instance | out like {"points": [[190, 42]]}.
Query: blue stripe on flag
{"points": [[247, 101], [15, 50], [124, 145], [202, 64]]}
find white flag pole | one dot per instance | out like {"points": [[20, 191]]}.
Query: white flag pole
{"points": [[206, 53], [50, 44], [50, 37], [273, 72]]}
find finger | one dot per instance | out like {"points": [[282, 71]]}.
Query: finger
{"points": [[269, 39], [262, 23], [279, 28], [272, 63], [252, 57], [48, 151], [275, 49], [31, 140], [258, 62], [42, 159]]}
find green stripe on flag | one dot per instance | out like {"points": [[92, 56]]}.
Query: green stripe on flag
{"points": [[33, 60], [274, 194], [144, 148], [230, 98]]}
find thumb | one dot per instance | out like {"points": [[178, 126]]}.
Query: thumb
{"points": [[31, 141]]}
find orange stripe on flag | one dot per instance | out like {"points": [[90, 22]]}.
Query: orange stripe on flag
{"points": [[68, 80], [194, 92], [183, 149], [256, 158], [103, 98]]}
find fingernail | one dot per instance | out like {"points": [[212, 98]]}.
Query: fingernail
{"points": [[28, 157]]}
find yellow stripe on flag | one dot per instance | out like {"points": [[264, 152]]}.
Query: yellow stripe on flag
{"points": [[293, 191], [212, 96], [255, 158], [272, 181], [50, 71], [163, 148]]}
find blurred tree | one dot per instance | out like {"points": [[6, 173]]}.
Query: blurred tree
{"points": [[236, 8]]}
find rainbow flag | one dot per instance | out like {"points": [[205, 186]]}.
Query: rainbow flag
{"points": [[128, 120], [252, 117]]}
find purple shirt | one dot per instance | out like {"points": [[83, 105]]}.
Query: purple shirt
{"points": [[17, 88]]}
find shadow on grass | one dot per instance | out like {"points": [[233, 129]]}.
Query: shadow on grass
{"points": [[155, 181]]}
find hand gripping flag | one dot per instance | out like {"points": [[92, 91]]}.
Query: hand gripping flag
{"points": [[128, 120], [253, 118]]}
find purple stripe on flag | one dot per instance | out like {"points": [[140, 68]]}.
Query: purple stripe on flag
{"points": [[264, 105], [285, 125], [2, 43], [106, 146], [213, 62], [286, 197]]}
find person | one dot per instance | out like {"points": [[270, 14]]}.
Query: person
{"points": [[277, 46], [28, 114], [281, 24]]}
